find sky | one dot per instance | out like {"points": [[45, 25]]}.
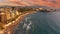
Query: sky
{"points": [[49, 3]]}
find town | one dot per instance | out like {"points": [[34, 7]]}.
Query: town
{"points": [[10, 14]]}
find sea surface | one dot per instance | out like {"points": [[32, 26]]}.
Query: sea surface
{"points": [[39, 23]]}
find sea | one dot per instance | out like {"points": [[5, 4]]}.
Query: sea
{"points": [[39, 23]]}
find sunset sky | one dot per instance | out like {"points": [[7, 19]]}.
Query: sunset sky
{"points": [[49, 3]]}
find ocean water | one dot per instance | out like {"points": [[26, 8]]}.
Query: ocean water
{"points": [[40, 23]]}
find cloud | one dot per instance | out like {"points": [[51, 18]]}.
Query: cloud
{"points": [[8, 3], [1, 0], [19, 2], [49, 3]]}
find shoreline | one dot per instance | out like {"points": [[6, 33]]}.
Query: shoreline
{"points": [[13, 25]]}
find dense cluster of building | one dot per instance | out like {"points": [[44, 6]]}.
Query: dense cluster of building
{"points": [[8, 14]]}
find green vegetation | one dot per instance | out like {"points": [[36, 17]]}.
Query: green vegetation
{"points": [[48, 10], [53, 9], [25, 9]]}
